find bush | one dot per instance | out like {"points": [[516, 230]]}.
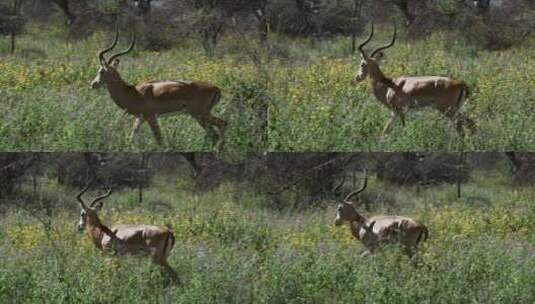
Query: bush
{"points": [[229, 250], [408, 169]]}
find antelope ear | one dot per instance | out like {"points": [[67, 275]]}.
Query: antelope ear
{"points": [[370, 226], [115, 63], [380, 55], [98, 206], [115, 231]]}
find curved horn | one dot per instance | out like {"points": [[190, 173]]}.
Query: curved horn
{"points": [[104, 51], [125, 51], [388, 45], [79, 195], [99, 198], [365, 184], [336, 189], [365, 42]]}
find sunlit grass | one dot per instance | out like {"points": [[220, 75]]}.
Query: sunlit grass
{"points": [[229, 249], [50, 106], [317, 109], [304, 85]]}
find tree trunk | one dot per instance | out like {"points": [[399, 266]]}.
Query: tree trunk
{"points": [[190, 158], [16, 10], [64, 7], [12, 49], [143, 168], [459, 179], [514, 160], [263, 24], [403, 6], [355, 15]]}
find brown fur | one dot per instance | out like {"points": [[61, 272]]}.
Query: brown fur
{"points": [[130, 239], [149, 100], [404, 93], [379, 230]]}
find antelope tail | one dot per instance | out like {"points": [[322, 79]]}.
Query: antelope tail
{"points": [[215, 98], [169, 243], [424, 234], [465, 93]]}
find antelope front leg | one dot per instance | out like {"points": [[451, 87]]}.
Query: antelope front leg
{"points": [[457, 120], [402, 118], [206, 124], [190, 158], [388, 126], [466, 122], [221, 126], [172, 273], [160, 260], [366, 253], [155, 128], [137, 126]]}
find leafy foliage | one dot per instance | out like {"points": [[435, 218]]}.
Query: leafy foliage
{"points": [[54, 109], [229, 250]]}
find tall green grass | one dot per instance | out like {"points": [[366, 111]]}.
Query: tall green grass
{"points": [[296, 97], [317, 108], [49, 105], [480, 250]]}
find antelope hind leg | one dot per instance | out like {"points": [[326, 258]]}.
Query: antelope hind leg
{"points": [[158, 259], [366, 253], [171, 273], [211, 134], [137, 126], [155, 128], [467, 122], [220, 125], [214, 128], [388, 127], [402, 118]]}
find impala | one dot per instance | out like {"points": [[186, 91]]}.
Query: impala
{"points": [[149, 100], [379, 230], [407, 92], [125, 238]]}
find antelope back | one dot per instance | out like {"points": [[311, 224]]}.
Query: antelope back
{"points": [[398, 229]]}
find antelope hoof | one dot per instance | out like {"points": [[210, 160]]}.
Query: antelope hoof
{"points": [[159, 141], [365, 254], [220, 144]]}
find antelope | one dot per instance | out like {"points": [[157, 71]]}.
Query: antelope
{"points": [[124, 239], [149, 100], [410, 92], [381, 229]]}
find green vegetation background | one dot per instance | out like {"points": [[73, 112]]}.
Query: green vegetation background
{"points": [[233, 248], [296, 97]]}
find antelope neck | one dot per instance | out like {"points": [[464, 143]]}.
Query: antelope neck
{"points": [[120, 91], [96, 232], [355, 225], [380, 85]]}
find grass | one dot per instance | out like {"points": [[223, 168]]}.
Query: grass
{"points": [[51, 107], [317, 109], [229, 249], [299, 99]]}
